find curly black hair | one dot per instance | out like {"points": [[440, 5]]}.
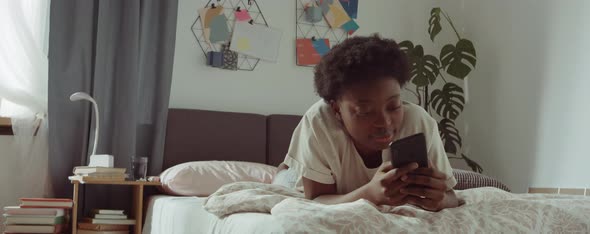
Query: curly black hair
{"points": [[359, 59]]}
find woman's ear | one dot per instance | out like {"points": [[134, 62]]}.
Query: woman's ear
{"points": [[335, 109]]}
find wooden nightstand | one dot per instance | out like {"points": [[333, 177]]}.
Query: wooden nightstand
{"points": [[137, 200]]}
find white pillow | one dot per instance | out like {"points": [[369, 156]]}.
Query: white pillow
{"points": [[202, 178]]}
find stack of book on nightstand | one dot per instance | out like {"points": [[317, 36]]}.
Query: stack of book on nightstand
{"points": [[106, 222], [38, 215], [93, 174]]}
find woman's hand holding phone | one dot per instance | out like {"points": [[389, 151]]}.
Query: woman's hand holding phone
{"points": [[426, 188], [385, 186]]}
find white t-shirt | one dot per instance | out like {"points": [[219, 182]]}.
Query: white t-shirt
{"points": [[321, 151]]}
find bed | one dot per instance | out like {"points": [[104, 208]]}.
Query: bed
{"points": [[173, 214], [199, 135], [252, 207]]}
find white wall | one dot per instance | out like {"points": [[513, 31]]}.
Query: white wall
{"points": [[529, 113], [282, 87], [21, 176]]}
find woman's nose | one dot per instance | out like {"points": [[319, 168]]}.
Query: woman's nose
{"points": [[383, 120]]}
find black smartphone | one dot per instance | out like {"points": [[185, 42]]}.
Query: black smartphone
{"points": [[408, 150]]}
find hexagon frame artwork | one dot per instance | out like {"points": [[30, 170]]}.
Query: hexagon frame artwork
{"points": [[245, 62]]}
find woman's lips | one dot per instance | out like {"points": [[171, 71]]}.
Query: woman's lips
{"points": [[384, 139]]}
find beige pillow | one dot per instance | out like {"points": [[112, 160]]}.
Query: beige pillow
{"points": [[202, 178]]}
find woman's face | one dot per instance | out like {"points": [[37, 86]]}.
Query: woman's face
{"points": [[371, 113]]}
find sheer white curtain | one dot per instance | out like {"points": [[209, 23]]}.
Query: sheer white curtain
{"points": [[24, 25], [24, 28]]}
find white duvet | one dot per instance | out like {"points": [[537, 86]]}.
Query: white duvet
{"points": [[486, 210]]}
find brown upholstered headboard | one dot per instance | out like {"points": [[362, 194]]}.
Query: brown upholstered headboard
{"points": [[279, 130], [197, 135]]}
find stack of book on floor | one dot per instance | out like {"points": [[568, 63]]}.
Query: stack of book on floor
{"points": [[38, 215], [94, 174], [106, 222]]}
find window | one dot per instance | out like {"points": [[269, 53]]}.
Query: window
{"points": [[23, 66]]}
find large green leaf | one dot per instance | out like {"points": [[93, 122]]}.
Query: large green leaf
{"points": [[424, 68], [434, 26], [406, 46], [449, 136], [449, 101], [474, 165], [459, 60]]}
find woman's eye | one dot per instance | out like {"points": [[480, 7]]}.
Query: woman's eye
{"points": [[363, 112], [394, 108]]}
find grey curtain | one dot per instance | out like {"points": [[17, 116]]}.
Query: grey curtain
{"points": [[121, 53]]}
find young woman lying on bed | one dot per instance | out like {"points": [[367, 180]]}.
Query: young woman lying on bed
{"points": [[337, 149]]}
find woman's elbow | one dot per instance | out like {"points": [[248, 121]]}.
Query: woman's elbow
{"points": [[313, 190]]}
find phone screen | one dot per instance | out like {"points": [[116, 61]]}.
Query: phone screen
{"points": [[408, 150]]}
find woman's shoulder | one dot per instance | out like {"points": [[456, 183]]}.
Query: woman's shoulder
{"points": [[320, 120], [317, 108], [320, 112], [416, 119], [414, 110]]}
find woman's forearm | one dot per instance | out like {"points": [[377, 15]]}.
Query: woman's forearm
{"points": [[357, 194]]}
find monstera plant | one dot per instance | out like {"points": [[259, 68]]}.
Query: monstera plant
{"points": [[455, 60]]}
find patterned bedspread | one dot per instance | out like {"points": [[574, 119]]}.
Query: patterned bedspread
{"points": [[486, 210]]}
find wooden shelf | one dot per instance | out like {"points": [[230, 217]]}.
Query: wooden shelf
{"points": [[137, 199]]}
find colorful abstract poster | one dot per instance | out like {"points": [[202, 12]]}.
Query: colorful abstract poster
{"points": [[214, 24], [313, 13], [337, 17], [351, 7], [310, 52], [242, 15], [215, 59]]}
